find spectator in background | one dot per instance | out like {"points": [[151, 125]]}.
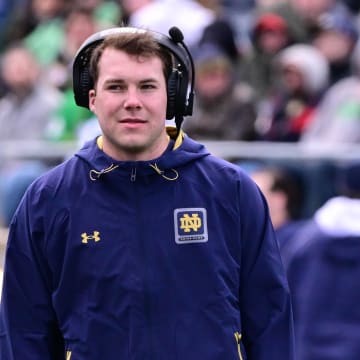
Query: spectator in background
{"points": [[63, 126], [22, 19], [107, 13], [303, 74], [336, 37], [270, 35], [311, 13], [240, 15], [221, 33], [224, 107], [24, 114], [79, 24], [336, 120], [284, 8], [282, 188], [29, 102], [323, 272], [44, 33], [189, 15]]}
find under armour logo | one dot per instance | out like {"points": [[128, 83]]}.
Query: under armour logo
{"points": [[95, 237]]}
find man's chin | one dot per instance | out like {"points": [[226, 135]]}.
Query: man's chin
{"points": [[132, 149]]}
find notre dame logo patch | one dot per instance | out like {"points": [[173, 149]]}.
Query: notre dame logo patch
{"points": [[190, 225]]}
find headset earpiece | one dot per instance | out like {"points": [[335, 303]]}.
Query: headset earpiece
{"points": [[172, 91], [86, 81], [82, 81]]}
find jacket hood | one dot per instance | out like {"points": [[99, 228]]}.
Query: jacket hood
{"points": [[339, 217], [184, 150]]}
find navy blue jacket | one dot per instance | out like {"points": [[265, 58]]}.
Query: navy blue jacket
{"points": [[173, 258]]}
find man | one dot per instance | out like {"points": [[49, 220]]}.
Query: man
{"points": [[225, 107], [283, 190], [322, 270], [142, 245], [25, 111]]}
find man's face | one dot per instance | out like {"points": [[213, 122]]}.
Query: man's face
{"points": [[19, 70], [129, 101]]}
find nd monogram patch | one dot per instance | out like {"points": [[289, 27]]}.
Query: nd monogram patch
{"points": [[190, 225]]}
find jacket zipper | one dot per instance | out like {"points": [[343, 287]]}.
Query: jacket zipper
{"points": [[238, 342], [68, 355], [133, 175]]}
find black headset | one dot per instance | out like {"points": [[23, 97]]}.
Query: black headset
{"points": [[180, 86]]}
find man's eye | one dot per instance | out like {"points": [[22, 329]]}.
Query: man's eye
{"points": [[148, 86], [116, 87]]}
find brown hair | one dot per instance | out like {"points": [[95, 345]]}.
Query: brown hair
{"points": [[136, 44]]}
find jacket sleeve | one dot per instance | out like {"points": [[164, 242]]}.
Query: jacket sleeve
{"points": [[265, 303], [28, 326]]}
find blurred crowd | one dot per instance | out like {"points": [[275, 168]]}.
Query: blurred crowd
{"points": [[275, 70], [266, 70]]}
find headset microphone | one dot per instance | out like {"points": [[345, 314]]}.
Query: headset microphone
{"points": [[176, 34]]}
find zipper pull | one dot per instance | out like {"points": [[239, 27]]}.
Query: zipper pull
{"points": [[238, 342], [133, 175]]}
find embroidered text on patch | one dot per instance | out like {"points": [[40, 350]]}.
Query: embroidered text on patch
{"points": [[190, 225]]}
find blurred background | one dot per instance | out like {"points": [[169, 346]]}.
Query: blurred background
{"points": [[276, 81], [277, 90]]}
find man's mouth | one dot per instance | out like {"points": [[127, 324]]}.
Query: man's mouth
{"points": [[132, 121]]}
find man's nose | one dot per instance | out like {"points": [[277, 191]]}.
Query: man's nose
{"points": [[132, 99]]}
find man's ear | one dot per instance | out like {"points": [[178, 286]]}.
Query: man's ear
{"points": [[92, 97]]}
